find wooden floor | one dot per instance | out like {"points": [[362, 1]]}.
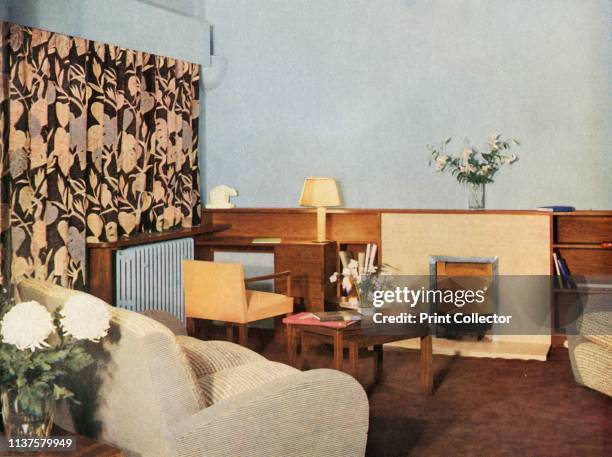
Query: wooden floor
{"points": [[481, 407]]}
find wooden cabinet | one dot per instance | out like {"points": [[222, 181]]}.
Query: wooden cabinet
{"points": [[580, 239], [311, 265]]}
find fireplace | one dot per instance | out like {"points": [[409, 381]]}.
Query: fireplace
{"points": [[456, 273], [520, 240]]}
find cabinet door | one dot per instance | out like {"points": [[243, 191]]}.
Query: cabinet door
{"points": [[310, 266]]}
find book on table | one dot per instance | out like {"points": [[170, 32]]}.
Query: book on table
{"points": [[307, 318], [330, 316]]}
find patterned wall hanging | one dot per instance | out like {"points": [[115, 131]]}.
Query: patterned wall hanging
{"points": [[97, 142]]}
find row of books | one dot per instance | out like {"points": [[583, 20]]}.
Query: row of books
{"points": [[365, 260], [563, 274]]}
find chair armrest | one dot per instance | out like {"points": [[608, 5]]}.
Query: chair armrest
{"points": [[318, 412], [286, 273]]}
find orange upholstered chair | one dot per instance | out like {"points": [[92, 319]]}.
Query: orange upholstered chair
{"points": [[217, 291]]}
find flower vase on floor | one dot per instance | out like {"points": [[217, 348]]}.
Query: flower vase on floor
{"points": [[476, 198], [31, 419]]}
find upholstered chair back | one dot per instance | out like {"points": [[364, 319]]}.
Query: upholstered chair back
{"points": [[141, 386], [214, 290]]}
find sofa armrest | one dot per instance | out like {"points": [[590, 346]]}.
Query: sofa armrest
{"points": [[318, 412]]}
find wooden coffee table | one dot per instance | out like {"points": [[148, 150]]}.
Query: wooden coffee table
{"points": [[353, 338]]}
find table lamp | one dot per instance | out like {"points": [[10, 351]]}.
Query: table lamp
{"points": [[320, 193]]}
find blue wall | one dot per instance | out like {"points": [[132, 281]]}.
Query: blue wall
{"points": [[174, 28], [356, 88]]}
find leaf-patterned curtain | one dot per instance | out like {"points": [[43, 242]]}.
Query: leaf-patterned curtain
{"points": [[100, 143]]}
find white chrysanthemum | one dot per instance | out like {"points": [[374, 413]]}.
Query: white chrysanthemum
{"points": [[27, 325], [85, 317], [333, 278]]}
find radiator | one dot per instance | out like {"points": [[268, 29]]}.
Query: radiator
{"points": [[150, 276]]}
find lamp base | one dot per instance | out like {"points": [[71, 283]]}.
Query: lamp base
{"points": [[321, 225], [320, 241]]}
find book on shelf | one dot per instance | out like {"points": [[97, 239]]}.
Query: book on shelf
{"points": [[565, 273], [267, 240], [558, 270], [345, 258], [556, 209], [329, 316]]}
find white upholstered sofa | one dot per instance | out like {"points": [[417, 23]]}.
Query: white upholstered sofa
{"points": [[156, 394], [590, 344]]}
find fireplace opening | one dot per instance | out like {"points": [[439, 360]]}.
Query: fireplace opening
{"points": [[476, 274]]}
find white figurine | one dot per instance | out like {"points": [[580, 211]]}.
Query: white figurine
{"points": [[220, 197]]}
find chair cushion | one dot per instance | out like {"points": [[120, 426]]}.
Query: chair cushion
{"points": [[208, 357], [263, 305], [232, 381]]}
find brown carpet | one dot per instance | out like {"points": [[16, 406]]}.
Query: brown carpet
{"points": [[481, 407]]}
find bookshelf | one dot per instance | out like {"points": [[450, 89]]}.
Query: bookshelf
{"points": [[579, 238]]}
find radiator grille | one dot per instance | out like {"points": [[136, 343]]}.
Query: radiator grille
{"points": [[150, 276]]}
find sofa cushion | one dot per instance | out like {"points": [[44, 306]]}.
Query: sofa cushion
{"points": [[167, 319], [232, 381], [596, 326], [207, 357], [592, 365]]}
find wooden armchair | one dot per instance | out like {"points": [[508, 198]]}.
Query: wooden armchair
{"points": [[217, 291]]}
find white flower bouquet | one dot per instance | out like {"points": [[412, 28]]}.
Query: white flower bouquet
{"points": [[38, 348], [474, 166]]}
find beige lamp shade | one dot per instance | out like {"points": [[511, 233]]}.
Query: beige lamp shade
{"points": [[320, 192]]}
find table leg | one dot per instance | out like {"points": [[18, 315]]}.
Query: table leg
{"points": [[378, 362], [191, 326], [243, 335], [304, 351], [291, 345], [353, 358], [426, 365], [338, 341]]}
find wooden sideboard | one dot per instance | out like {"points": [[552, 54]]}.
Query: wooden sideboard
{"points": [[577, 236]]}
